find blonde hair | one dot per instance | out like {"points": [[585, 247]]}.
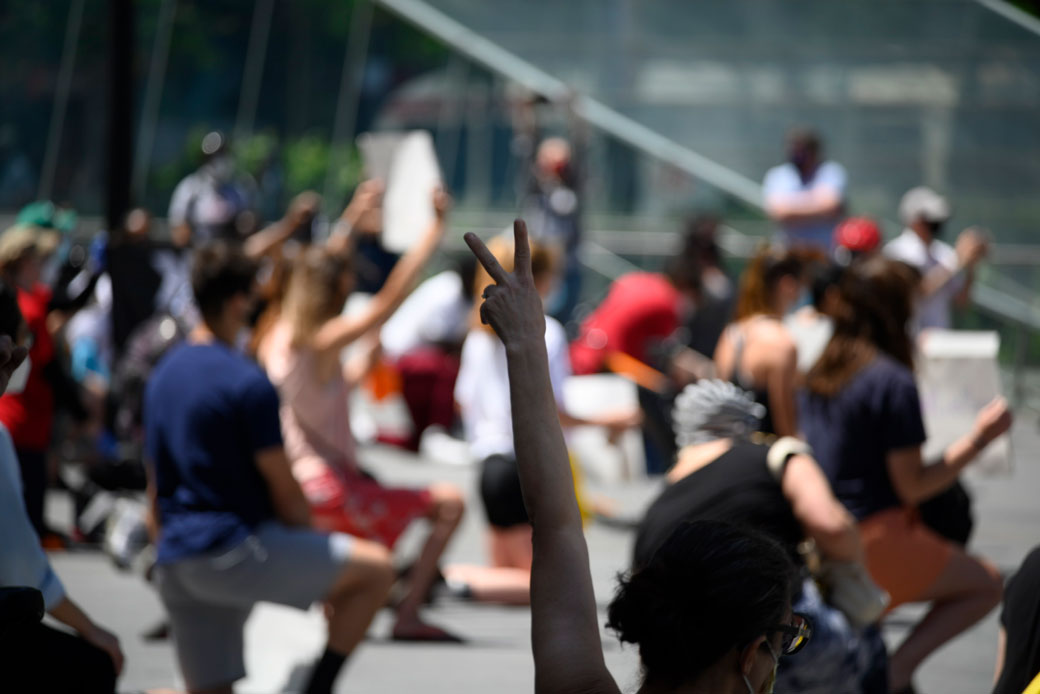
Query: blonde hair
{"points": [[543, 262], [315, 291]]}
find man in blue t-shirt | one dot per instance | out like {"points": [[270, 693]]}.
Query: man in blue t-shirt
{"points": [[233, 524]]}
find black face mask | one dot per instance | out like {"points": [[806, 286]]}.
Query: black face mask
{"points": [[935, 228]]}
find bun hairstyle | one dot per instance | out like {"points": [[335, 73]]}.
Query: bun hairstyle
{"points": [[710, 588]]}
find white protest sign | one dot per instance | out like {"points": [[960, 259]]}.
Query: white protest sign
{"points": [[377, 152], [957, 375], [408, 201]]}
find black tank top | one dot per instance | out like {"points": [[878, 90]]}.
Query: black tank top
{"points": [[736, 487], [738, 379]]}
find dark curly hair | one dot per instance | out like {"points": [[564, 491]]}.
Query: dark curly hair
{"points": [[710, 588]]}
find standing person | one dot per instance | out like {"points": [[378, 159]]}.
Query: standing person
{"points": [[233, 526], [861, 414], [947, 272], [551, 190], [757, 352], [91, 659], [805, 195], [302, 356], [29, 415], [707, 573], [215, 201]]}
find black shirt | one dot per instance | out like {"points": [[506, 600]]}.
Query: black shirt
{"points": [[1021, 621], [852, 433], [736, 487]]}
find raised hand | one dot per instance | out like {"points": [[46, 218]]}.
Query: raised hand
{"points": [[992, 421], [512, 306]]}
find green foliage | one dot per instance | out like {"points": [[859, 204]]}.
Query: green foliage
{"points": [[308, 160]]}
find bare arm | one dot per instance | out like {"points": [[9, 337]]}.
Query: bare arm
{"points": [[824, 518], [565, 632], [69, 614], [361, 364], [914, 481], [289, 502], [823, 203], [339, 332], [301, 211], [780, 384]]}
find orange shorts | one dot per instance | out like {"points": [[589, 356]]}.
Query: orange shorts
{"points": [[902, 554], [349, 503]]}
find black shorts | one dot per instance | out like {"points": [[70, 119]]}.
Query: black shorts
{"points": [[500, 492]]}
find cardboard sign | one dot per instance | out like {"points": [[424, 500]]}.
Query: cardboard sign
{"points": [[411, 180], [377, 152], [957, 376]]}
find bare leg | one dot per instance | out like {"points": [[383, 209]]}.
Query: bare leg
{"points": [[965, 592], [357, 595], [497, 584], [445, 515], [511, 547]]}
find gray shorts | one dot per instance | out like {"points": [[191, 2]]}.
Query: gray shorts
{"points": [[209, 597]]}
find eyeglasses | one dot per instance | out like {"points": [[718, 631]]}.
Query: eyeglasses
{"points": [[796, 634]]}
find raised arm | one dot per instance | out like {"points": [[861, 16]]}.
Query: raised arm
{"points": [[565, 636], [341, 331]]}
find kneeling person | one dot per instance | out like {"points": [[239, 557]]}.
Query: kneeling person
{"points": [[233, 525]]}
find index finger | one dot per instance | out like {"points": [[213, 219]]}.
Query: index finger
{"points": [[486, 258], [521, 249]]}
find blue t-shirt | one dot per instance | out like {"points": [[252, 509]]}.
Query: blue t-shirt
{"points": [[208, 411], [851, 433]]}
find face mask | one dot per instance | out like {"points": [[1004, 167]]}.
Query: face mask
{"points": [[936, 229], [222, 168], [19, 377], [770, 682]]}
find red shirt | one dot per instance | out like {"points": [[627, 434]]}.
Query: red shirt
{"points": [[30, 414], [640, 308]]}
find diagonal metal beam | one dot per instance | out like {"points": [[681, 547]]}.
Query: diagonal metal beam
{"points": [[499, 60]]}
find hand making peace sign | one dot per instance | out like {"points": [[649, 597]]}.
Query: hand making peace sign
{"points": [[512, 306]]}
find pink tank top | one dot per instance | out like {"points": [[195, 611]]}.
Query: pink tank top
{"points": [[315, 415]]}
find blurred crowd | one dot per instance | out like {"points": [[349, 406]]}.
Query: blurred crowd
{"points": [[203, 397]]}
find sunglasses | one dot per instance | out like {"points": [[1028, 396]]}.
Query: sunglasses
{"points": [[796, 634]]}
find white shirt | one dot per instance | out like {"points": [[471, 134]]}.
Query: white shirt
{"points": [[482, 387], [932, 311], [436, 312], [784, 181], [22, 561]]}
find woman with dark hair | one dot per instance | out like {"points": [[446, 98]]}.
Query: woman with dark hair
{"points": [[780, 491], [862, 415], [756, 352], [711, 612]]}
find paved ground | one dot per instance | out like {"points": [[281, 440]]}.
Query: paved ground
{"points": [[497, 658]]}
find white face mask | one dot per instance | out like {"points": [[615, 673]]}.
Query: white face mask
{"points": [[19, 377], [769, 683]]}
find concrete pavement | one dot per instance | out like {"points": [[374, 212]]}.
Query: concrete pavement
{"points": [[497, 657]]}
